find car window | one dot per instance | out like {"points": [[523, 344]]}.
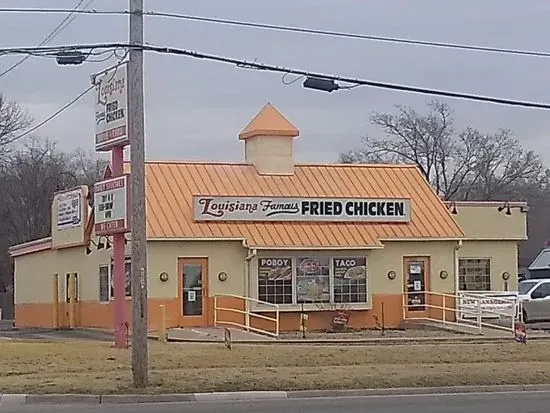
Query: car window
{"points": [[543, 289], [524, 287]]}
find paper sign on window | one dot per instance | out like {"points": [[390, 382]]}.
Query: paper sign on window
{"points": [[191, 296], [417, 286]]}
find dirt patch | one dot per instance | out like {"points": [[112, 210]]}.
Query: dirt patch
{"points": [[94, 367]]}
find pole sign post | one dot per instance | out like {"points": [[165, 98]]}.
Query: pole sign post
{"points": [[111, 112]]}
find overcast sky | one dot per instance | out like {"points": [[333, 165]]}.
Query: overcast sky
{"points": [[195, 108]]}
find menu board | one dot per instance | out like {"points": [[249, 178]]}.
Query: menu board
{"points": [[350, 268], [275, 269]]}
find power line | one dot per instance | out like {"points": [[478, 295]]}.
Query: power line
{"points": [[302, 30], [55, 114], [244, 64], [58, 29]]}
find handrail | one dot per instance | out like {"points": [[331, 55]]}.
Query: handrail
{"points": [[475, 309], [247, 314]]}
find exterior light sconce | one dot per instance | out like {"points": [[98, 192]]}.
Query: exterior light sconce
{"points": [[443, 274], [101, 245], [505, 275], [452, 207], [222, 276], [506, 207], [163, 276], [391, 275]]}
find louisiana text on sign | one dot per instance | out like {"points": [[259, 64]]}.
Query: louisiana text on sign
{"points": [[111, 206], [111, 115], [227, 208], [69, 209]]}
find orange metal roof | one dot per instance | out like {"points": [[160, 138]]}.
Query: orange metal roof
{"points": [[269, 122], [171, 185]]}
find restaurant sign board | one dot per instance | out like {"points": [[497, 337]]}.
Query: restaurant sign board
{"points": [[235, 208], [112, 206]]}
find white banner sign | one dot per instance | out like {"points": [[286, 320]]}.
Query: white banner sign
{"points": [[111, 206], [69, 209], [229, 208], [493, 305], [111, 113]]}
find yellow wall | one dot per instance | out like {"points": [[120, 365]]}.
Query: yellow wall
{"points": [[270, 154], [486, 222], [227, 256], [503, 255], [379, 263]]}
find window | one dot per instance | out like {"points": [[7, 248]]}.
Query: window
{"points": [[312, 280], [104, 283], [474, 274], [67, 277], [350, 280], [321, 279], [542, 291], [128, 277], [275, 280]]}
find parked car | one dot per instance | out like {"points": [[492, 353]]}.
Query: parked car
{"points": [[535, 299]]}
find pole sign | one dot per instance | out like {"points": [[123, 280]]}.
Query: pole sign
{"points": [[111, 206], [111, 113], [69, 209], [231, 208]]}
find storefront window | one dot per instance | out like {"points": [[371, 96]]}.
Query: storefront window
{"points": [[275, 280], [350, 280], [103, 283], [283, 280], [312, 280], [474, 274]]}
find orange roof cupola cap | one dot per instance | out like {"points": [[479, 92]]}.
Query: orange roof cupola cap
{"points": [[269, 122]]}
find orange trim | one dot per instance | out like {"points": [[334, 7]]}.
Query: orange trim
{"points": [[486, 203], [100, 315]]}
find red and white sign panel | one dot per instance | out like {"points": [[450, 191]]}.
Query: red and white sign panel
{"points": [[112, 206], [111, 112]]}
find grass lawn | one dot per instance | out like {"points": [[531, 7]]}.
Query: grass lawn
{"points": [[93, 367]]}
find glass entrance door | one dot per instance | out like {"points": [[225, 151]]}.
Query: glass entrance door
{"points": [[416, 281], [193, 287]]}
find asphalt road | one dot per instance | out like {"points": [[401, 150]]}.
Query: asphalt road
{"points": [[511, 402]]}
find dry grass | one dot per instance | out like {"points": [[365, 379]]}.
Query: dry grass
{"points": [[92, 367]]}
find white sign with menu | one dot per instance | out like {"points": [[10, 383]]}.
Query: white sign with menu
{"points": [[69, 209]]}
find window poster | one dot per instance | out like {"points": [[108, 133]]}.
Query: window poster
{"points": [[312, 280]]}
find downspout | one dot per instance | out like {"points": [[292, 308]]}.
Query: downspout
{"points": [[457, 284], [251, 254]]}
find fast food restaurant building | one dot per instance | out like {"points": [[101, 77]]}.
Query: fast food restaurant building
{"points": [[364, 238]]}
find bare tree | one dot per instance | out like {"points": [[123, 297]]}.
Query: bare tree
{"points": [[29, 178], [463, 165], [13, 121]]}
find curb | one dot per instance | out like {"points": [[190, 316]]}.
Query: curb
{"points": [[359, 341], [77, 399]]}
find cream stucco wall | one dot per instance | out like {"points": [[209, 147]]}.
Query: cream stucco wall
{"points": [[379, 263], [486, 222], [390, 258], [270, 154], [34, 272], [503, 256], [227, 256]]}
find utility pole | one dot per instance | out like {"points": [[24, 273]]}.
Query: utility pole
{"points": [[136, 131]]}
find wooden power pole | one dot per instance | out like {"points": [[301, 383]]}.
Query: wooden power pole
{"points": [[136, 130]]}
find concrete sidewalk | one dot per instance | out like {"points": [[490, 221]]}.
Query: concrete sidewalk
{"points": [[79, 399]]}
